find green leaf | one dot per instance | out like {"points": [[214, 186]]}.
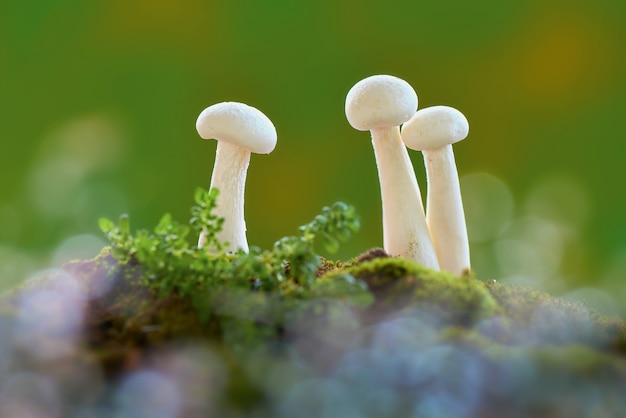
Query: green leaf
{"points": [[331, 244], [106, 225], [124, 224], [164, 224]]}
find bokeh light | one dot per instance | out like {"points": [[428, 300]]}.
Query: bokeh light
{"points": [[488, 204], [146, 394], [49, 321]]}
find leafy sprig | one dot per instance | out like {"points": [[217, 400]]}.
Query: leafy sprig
{"points": [[171, 262]]}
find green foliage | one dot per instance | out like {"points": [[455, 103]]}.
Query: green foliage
{"points": [[172, 264], [203, 219]]}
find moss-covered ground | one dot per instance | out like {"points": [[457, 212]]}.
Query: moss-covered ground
{"points": [[372, 337]]}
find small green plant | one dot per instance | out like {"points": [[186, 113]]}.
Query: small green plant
{"points": [[170, 263]]}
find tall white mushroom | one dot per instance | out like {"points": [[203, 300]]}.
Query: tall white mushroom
{"points": [[239, 129], [433, 130], [380, 104]]}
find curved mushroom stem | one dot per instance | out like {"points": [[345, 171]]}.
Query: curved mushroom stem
{"points": [[405, 232], [229, 177], [444, 210]]}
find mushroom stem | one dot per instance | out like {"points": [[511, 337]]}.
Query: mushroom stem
{"points": [[444, 210], [229, 177], [405, 232]]}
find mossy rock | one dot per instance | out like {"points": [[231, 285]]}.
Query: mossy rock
{"points": [[373, 337]]}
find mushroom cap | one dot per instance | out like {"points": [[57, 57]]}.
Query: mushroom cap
{"points": [[434, 127], [238, 124], [380, 101]]}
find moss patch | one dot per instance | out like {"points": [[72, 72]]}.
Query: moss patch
{"points": [[397, 283], [372, 327]]}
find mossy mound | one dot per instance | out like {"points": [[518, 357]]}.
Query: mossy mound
{"points": [[373, 337], [397, 283]]}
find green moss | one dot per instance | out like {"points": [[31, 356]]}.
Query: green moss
{"points": [[527, 347], [398, 283]]}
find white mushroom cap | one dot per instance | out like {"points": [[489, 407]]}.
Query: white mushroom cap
{"points": [[380, 101], [434, 127], [238, 124]]}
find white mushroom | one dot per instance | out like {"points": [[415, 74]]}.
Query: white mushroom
{"points": [[240, 129], [433, 130], [380, 104]]}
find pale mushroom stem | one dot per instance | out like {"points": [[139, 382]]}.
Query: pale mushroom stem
{"points": [[229, 177], [405, 232], [444, 210]]}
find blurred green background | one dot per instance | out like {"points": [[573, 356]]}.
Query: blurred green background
{"points": [[99, 101]]}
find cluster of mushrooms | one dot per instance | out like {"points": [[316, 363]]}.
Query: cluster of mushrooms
{"points": [[380, 104]]}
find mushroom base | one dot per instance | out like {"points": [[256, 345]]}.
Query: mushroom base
{"points": [[405, 232], [444, 210]]}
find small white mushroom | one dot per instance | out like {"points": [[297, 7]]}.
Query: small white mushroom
{"points": [[380, 104], [433, 130], [239, 129]]}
